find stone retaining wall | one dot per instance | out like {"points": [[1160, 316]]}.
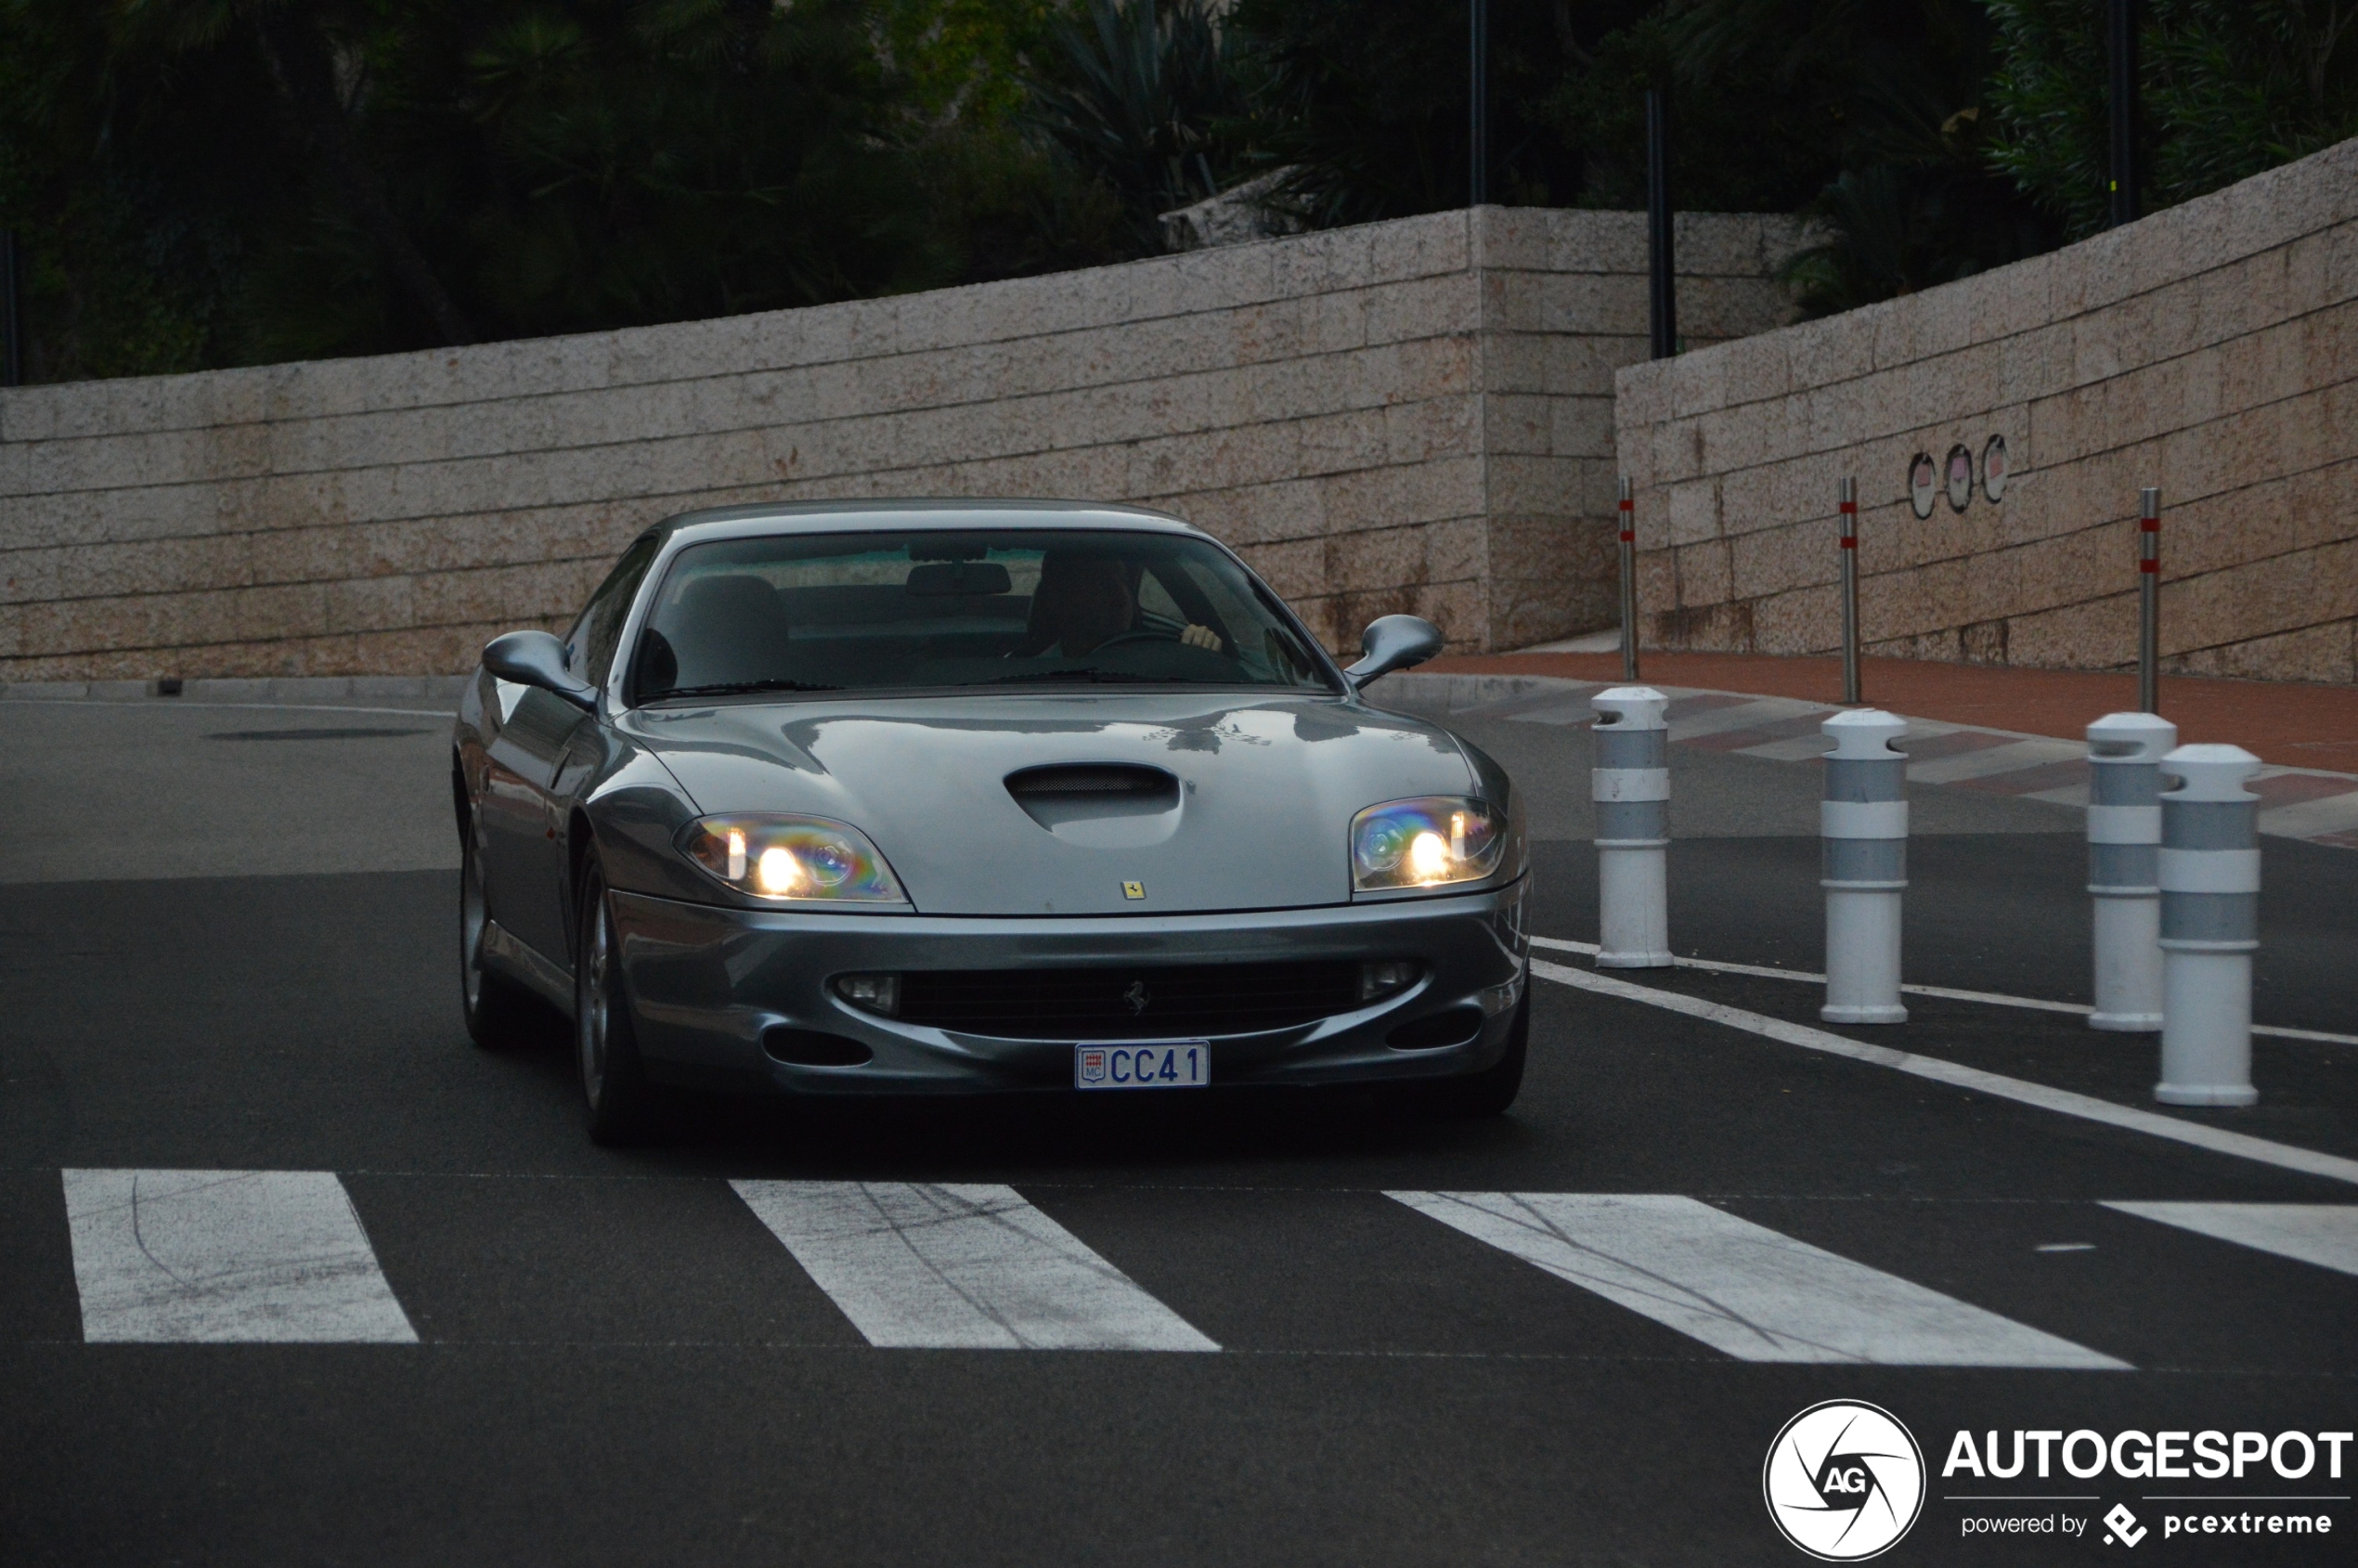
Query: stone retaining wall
{"points": [[2210, 350], [1414, 415]]}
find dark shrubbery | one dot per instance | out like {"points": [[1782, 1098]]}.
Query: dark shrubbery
{"points": [[213, 182]]}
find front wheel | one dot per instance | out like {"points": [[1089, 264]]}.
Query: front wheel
{"points": [[1491, 1091], [605, 1035], [499, 1013]]}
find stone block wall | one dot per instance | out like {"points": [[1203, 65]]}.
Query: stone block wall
{"points": [[1414, 415], [2210, 350]]}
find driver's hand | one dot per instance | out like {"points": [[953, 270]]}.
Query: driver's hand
{"points": [[1201, 636]]}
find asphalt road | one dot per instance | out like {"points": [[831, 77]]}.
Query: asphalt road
{"points": [[235, 954]]}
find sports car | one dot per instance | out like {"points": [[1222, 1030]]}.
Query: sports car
{"points": [[919, 798]]}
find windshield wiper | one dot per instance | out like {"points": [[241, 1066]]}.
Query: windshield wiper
{"points": [[1105, 676], [734, 688]]}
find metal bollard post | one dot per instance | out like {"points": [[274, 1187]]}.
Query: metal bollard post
{"points": [[2209, 926], [1629, 582], [1630, 785], [1849, 504], [2124, 858], [1863, 823]]}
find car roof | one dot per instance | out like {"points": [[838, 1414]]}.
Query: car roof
{"points": [[895, 514]]}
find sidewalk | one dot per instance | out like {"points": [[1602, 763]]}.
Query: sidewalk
{"points": [[2292, 726], [2005, 732]]}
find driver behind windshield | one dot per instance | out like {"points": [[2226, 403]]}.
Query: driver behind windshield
{"points": [[1083, 601]]}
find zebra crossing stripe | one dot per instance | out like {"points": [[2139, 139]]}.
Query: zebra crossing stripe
{"points": [[1740, 1288], [226, 1257], [2322, 1233], [947, 1267]]}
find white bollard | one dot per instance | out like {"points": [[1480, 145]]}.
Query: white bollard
{"points": [[1631, 784], [1862, 821], [2209, 925], [2124, 861]]}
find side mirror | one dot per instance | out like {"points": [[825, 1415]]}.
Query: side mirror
{"points": [[1393, 642], [536, 658]]}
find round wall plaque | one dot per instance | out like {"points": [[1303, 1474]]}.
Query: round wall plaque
{"points": [[1993, 468], [1960, 476], [1923, 484]]}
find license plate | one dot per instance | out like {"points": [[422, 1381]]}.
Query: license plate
{"points": [[1151, 1064]]}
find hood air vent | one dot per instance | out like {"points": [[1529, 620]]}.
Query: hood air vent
{"points": [[1088, 791]]}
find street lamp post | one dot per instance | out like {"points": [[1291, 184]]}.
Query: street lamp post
{"points": [[2120, 36], [11, 313], [1662, 296], [1477, 123]]}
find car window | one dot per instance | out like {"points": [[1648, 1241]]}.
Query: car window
{"points": [[591, 647], [969, 609]]}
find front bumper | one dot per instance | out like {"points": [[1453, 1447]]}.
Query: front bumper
{"points": [[706, 983]]}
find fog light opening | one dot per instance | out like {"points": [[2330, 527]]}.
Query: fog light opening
{"points": [[874, 994], [1381, 978]]}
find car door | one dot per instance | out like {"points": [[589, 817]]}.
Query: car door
{"points": [[530, 778], [523, 851]]}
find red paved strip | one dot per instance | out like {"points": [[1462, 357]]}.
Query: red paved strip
{"points": [[2286, 789], [2290, 724]]}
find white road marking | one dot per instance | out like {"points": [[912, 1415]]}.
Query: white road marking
{"points": [[2324, 1234], [2218, 1140], [927, 1265], [1739, 716], [224, 1257], [1993, 998], [1755, 1293], [1990, 761], [1798, 749]]}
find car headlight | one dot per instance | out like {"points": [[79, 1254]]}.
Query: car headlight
{"points": [[1429, 842], [792, 859]]}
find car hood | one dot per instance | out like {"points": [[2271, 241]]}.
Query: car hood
{"points": [[1259, 818]]}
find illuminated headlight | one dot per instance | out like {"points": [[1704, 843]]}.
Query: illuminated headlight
{"points": [[877, 993], [792, 859], [1429, 842]]}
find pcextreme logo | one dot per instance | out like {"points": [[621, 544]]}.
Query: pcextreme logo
{"points": [[1844, 1480]]}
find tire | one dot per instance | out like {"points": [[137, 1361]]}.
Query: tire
{"points": [[1491, 1091], [614, 1086], [499, 1013]]}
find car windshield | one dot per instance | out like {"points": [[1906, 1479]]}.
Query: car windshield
{"points": [[999, 608]]}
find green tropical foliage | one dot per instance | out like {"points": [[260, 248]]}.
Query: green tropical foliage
{"points": [[213, 182], [2231, 88]]}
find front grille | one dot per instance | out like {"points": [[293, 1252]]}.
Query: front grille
{"points": [[1142, 1002]]}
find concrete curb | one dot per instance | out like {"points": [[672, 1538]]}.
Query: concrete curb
{"points": [[292, 689]]}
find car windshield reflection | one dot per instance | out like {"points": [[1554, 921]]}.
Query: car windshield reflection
{"points": [[998, 609]]}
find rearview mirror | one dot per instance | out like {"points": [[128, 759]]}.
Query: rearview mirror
{"points": [[939, 579], [1393, 642], [536, 658]]}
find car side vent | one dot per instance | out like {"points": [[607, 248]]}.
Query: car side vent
{"points": [[1455, 1026], [1088, 791], [810, 1047]]}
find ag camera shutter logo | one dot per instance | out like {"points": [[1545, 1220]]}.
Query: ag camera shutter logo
{"points": [[1845, 1480]]}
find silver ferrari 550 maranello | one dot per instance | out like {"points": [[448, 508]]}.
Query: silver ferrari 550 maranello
{"points": [[938, 796]]}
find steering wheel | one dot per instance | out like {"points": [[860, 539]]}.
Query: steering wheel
{"points": [[1136, 634]]}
